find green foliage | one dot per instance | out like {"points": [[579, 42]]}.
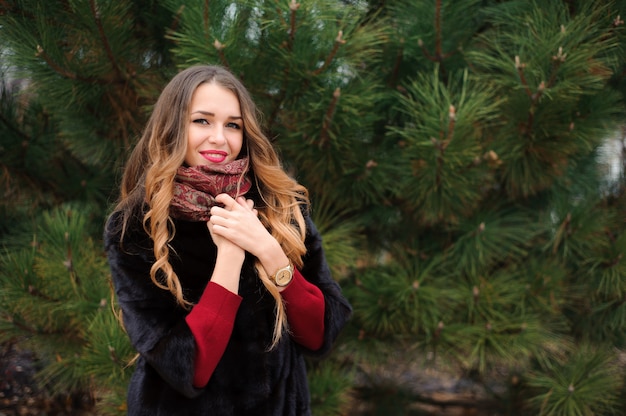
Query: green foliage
{"points": [[341, 229], [330, 387], [587, 383], [437, 38], [55, 297], [399, 300], [444, 170], [454, 163], [83, 70], [547, 63], [493, 237]]}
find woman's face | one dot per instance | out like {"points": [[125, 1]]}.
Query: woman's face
{"points": [[215, 133]]}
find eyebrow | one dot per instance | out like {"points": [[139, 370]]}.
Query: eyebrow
{"points": [[208, 113]]}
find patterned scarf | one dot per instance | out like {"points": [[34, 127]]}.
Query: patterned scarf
{"points": [[195, 188]]}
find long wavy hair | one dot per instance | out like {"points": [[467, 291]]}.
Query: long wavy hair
{"points": [[148, 180]]}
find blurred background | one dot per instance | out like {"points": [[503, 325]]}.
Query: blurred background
{"points": [[466, 167]]}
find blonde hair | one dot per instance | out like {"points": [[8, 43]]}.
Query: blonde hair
{"points": [[149, 179]]}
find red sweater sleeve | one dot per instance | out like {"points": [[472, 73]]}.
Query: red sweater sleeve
{"points": [[305, 312], [211, 321]]}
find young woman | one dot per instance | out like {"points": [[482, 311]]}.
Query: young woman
{"points": [[218, 269]]}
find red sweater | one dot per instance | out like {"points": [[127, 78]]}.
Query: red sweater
{"points": [[211, 321]]}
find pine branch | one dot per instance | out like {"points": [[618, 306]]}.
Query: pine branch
{"points": [[176, 19], [535, 97], [562, 232], [220, 51], [397, 63], [438, 35], [14, 128], [519, 66], [328, 117], [63, 72], [23, 327], [439, 55], [69, 264], [105, 42], [338, 42], [557, 61], [205, 18], [279, 98], [32, 290], [293, 8]]}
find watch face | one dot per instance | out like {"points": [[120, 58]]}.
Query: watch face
{"points": [[283, 277]]}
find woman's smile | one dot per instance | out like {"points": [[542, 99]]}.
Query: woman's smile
{"points": [[214, 156]]}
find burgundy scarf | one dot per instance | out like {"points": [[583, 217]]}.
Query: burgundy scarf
{"points": [[195, 188]]}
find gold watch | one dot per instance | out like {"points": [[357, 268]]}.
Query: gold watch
{"points": [[283, 276]]}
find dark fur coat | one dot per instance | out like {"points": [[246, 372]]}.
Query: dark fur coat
{"points": [[248, 380]]}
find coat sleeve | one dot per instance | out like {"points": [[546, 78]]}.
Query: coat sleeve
{"points": [[154, 322], [211, 321], [305, 312], [337, 310]]}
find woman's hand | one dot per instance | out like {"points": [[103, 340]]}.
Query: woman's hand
{"points": [[230, 256], [238, 222], [224, 245]]}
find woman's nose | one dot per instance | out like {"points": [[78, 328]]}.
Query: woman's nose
{"points": [[217, 135]]}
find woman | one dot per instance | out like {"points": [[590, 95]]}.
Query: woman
{"points": [[218, 269]]}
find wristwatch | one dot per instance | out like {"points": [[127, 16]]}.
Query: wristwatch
{"points": [[283, 276]]}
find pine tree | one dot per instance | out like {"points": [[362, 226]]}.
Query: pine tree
{"points": [[77, 77], [505, 256], [452, 151]]}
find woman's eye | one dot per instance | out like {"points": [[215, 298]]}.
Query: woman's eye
{"points": [[201, 121], [233, 126]]}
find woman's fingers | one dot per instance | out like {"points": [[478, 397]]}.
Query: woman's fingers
{"points": [[238, 221], [236, 214], [226, 200], [249, 203], [231, 204]]}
